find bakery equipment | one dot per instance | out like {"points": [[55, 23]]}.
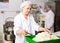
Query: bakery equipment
{"points": [[8, 29]]}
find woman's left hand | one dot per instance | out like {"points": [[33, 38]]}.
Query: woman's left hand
{"points": [[44, 29], [47, 30]]}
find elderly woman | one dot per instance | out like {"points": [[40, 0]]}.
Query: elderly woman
{"points": [[24, 23]]}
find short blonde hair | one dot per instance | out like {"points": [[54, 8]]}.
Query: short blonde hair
{"points": [[24, 4]]}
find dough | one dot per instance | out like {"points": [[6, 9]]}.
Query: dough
{"points": [[44, 36]]}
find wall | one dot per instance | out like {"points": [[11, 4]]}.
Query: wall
{"points": [[9, 10]]}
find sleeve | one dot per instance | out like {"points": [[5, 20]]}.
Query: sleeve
{"points": [[42, 11], [50, 20], [34, 24], [17, 24]]}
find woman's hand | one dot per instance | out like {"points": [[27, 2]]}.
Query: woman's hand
{"points": [[44, 29], [47, 30], [23, 32]]}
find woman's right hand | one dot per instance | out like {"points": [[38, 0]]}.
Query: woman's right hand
{"points": [[21, 32], [24, 32]]}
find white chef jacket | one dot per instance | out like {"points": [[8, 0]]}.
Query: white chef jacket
{"points": [[49, 19], [21, 23]]}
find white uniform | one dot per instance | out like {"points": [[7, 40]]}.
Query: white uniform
{"points": [[49, 19], [21, 23]]}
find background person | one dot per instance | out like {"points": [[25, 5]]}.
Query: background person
{"points": [[49, 17]]}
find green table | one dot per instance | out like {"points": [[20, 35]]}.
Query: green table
{"points": [[29, 39]]}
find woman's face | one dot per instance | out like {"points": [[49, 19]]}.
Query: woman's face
{"points": [[26, 9]]}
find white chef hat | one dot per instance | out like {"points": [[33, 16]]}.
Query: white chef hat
{"points": [[25, 3]]}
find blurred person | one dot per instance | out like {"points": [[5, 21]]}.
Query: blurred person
{"points": [[49, 17]]}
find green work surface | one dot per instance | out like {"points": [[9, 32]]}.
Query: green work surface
{"points": [[29, 39]]}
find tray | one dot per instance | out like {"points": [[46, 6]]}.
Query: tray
{"points": [[29, 39]]}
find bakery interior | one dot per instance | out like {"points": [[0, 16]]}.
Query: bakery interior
{"points": [[10, 8]]}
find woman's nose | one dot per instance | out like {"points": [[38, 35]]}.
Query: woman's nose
{"points": [[29, 10]]}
